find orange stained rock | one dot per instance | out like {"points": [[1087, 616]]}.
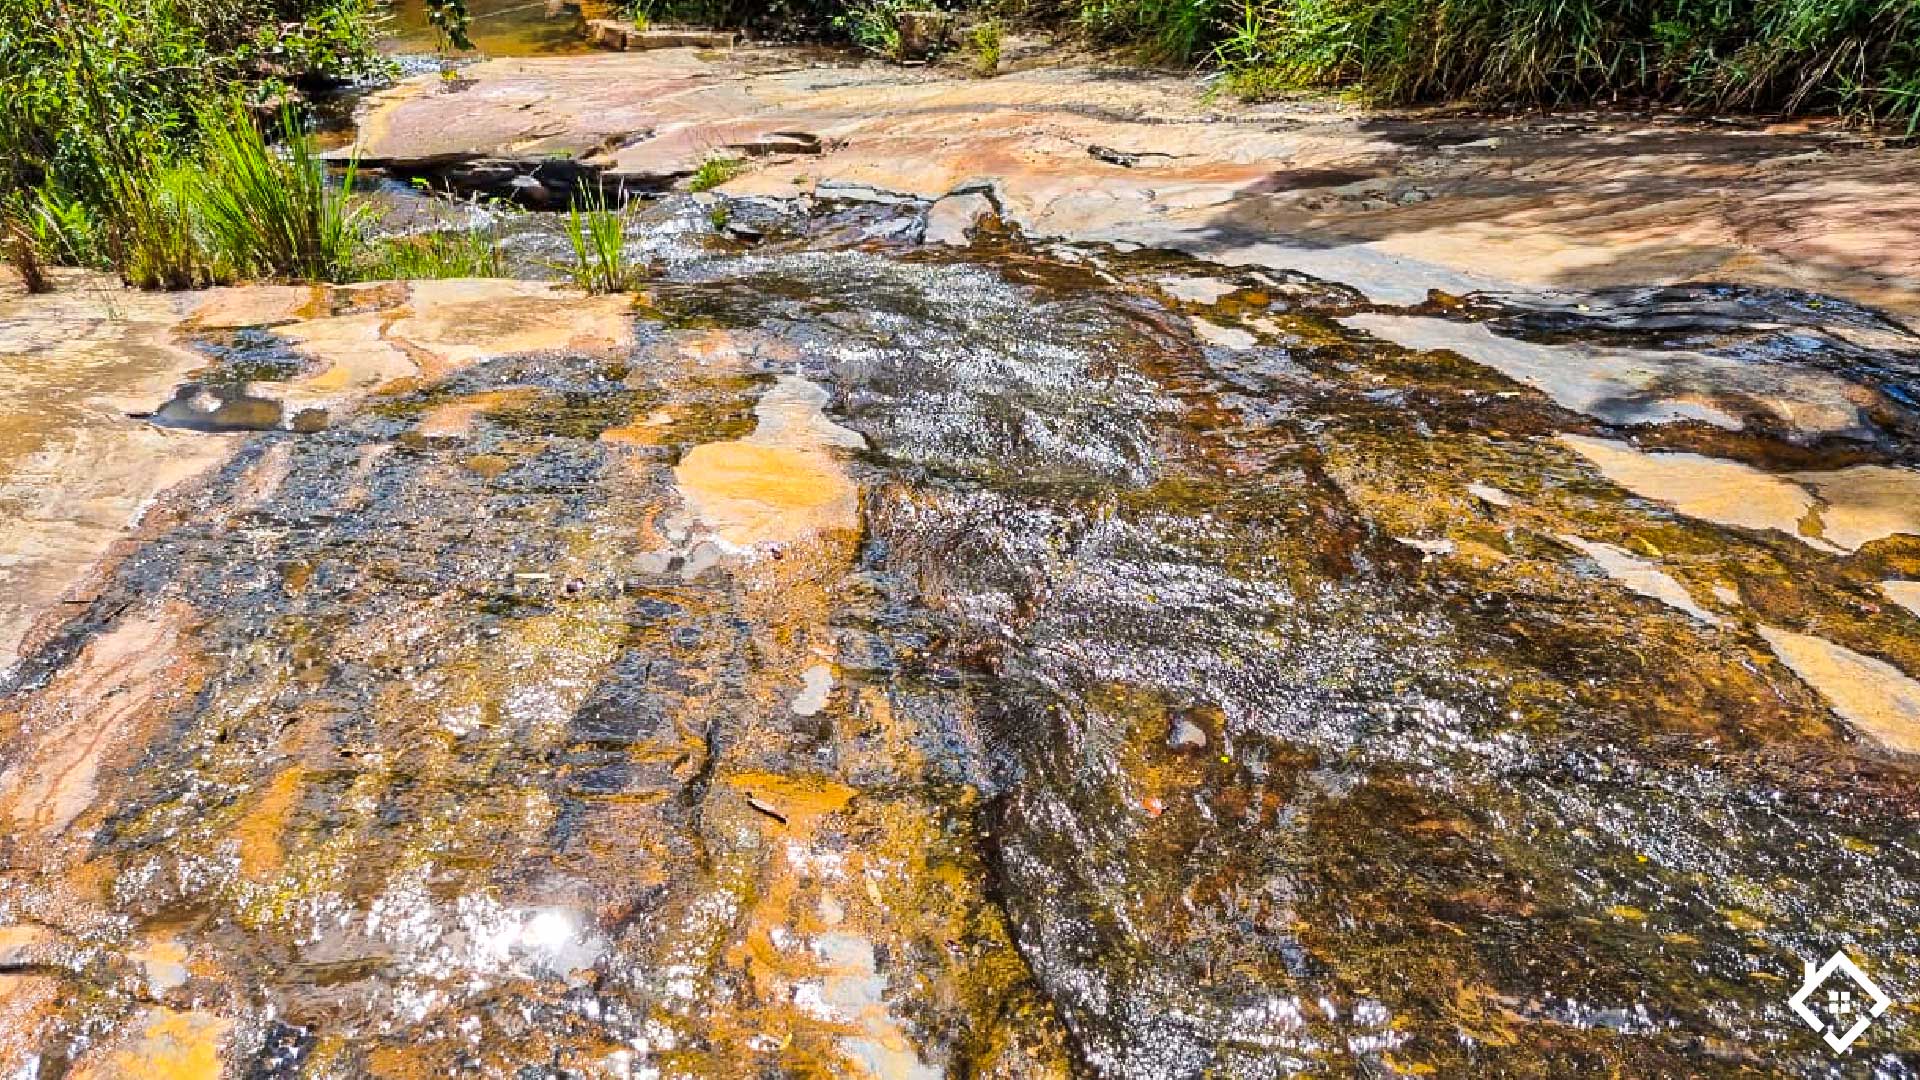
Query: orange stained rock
{"points": [[170, 1044], [766, 494], [256, 305], [802, 800], [462, 321], [352, 357], [261, 830], [26, 1001]]}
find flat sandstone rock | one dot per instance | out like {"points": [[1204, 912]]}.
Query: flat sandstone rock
{"points": [[1310, 185]]}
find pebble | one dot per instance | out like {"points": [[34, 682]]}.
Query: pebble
{"points": [[1187, 735]]}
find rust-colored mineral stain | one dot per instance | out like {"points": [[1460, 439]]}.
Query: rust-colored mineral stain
{"points": [[171, 1044], [262, 831], [766, 494]]}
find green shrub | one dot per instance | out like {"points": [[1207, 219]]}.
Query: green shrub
{"points": [[63, 228], [1859, 56], [102, 104], [1174, 31], [985, 42], [88, 86], [873, 25]]}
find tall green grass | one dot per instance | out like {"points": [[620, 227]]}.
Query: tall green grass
{"points": [[243, 207], [1855, 56], [152, 230], [238, 207], [268, 211], [597, 233]]}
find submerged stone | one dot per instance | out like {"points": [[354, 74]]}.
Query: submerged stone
{"points": [[1643, 386], [1869, 693], [1724, 492], [881, 665], [780, 485], [1641, 576]]}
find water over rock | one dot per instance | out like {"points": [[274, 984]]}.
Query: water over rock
{"points": [[855, 656]]}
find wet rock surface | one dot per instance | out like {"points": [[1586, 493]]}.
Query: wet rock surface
{"points": [[1390, 204], [850, 656]]}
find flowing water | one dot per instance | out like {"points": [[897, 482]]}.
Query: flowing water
{"points": [[1042, 661]]}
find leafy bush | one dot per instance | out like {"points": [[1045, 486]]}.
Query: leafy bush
{"points": [[90, 85], [101, 101], [874, 25]]}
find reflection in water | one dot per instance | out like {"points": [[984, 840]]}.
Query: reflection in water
{"points": [[196, 407], [498, 27], [897, 667]]}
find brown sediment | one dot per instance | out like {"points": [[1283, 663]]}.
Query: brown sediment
{"points": [[455, 418]]}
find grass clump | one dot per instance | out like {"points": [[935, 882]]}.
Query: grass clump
{"points": [[268, 211], [236, 208], [715, 171], [438, 253], [240, 207], [597, 233]]}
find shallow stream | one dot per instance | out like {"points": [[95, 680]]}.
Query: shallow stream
{"points": [[1015, 661]]}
